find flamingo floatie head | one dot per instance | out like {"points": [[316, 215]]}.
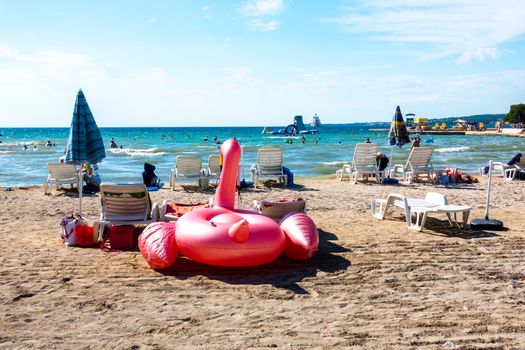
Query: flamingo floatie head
{"points": [[231, 155]]}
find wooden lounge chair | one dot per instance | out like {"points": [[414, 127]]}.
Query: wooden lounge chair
{"points": [[269, 165], [62, 174], [188, 168], [364, 163], [420, 208], [418, 163]]}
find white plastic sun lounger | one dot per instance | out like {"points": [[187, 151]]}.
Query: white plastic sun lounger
{"points": [[420, 208], [364, 164], [418, 163], [62, 174]]}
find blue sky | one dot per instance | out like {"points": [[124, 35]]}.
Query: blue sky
{"points": [[258, 62]]}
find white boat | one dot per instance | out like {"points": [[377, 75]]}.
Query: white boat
{"points": [[316, 122], [267, 130]]}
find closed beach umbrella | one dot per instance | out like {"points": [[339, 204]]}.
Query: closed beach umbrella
{"points": [[85, 144], [398, 135]]}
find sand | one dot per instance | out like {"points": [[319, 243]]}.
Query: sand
{"points": [[373, 284]]}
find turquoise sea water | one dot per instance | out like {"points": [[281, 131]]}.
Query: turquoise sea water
{"points": [[160, 146]]}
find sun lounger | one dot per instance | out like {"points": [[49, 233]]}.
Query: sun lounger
{"points": [[214, 167], [364, 164], [418, 163], [279, 209], [188, 168], [507, 171], [269, 165], [123, 205], [420, 208], [61, 174]]}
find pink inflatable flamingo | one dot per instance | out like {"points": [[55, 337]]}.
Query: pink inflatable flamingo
{"points": [[224, 236]]}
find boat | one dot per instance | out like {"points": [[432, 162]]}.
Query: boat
{"points": [[267, 130], [297, 128], [316, 122]]}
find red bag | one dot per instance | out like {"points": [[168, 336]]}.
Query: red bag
{"points": [[84, 236], [75, 231], [121, 237]]}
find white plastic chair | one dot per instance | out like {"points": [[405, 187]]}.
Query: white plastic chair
{"points": [[62, 174], [214, 167], [419, 209], [123, 205], [269, 165], [418, 163], [187, 168], [364, 163]]}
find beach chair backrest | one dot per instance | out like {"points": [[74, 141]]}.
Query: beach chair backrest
{"points": [[278, 210], [419, 157], [62, 171], [188, 165], [214, 165], [270, 161], [125, 202], [436, 198], [365, 156]]}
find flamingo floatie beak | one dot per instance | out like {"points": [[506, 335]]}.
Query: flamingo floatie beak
{"points": [[239, 231]]}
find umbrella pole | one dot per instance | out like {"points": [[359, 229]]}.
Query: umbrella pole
{"points": [[80, 181], [390, 161]]}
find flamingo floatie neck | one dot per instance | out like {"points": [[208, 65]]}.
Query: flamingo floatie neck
{"points": [[231, 155]]}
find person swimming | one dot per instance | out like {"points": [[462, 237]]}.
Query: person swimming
{"points": [[25, 147], [205, 138], [113, 144], [49, 144]]}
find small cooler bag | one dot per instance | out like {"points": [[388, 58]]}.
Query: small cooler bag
{"points": [[119, 237]]}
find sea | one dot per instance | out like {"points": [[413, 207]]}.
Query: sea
{"points": [[320, 155]]}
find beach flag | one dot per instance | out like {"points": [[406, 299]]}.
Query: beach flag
{"points": [[398, 135], [85, 144]]}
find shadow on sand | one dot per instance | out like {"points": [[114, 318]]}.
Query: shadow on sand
{"points": [[442, 228], [281, 273]]}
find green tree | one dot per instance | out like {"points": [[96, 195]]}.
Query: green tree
{"points": [[516, 114]]}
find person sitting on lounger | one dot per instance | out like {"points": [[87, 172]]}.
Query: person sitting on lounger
{"points": [[149, 177]]}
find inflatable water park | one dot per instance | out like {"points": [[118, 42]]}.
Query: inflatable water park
{"points": [[296, 128]]}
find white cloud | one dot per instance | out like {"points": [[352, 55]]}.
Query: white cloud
{"points": [[471, 30], [151, 20], [261, 8], [263, 26], [49, 57], [258, 12]]}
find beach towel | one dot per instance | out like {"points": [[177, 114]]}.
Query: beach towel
{"points": [[179, 209], [157, 187]]}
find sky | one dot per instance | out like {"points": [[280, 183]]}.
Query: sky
{"points": [[258, 62]]}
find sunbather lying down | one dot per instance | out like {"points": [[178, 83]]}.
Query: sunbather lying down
{"points": [[420, 208]]}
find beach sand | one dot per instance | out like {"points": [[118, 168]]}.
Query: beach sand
{"points": [[373, 284]]}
